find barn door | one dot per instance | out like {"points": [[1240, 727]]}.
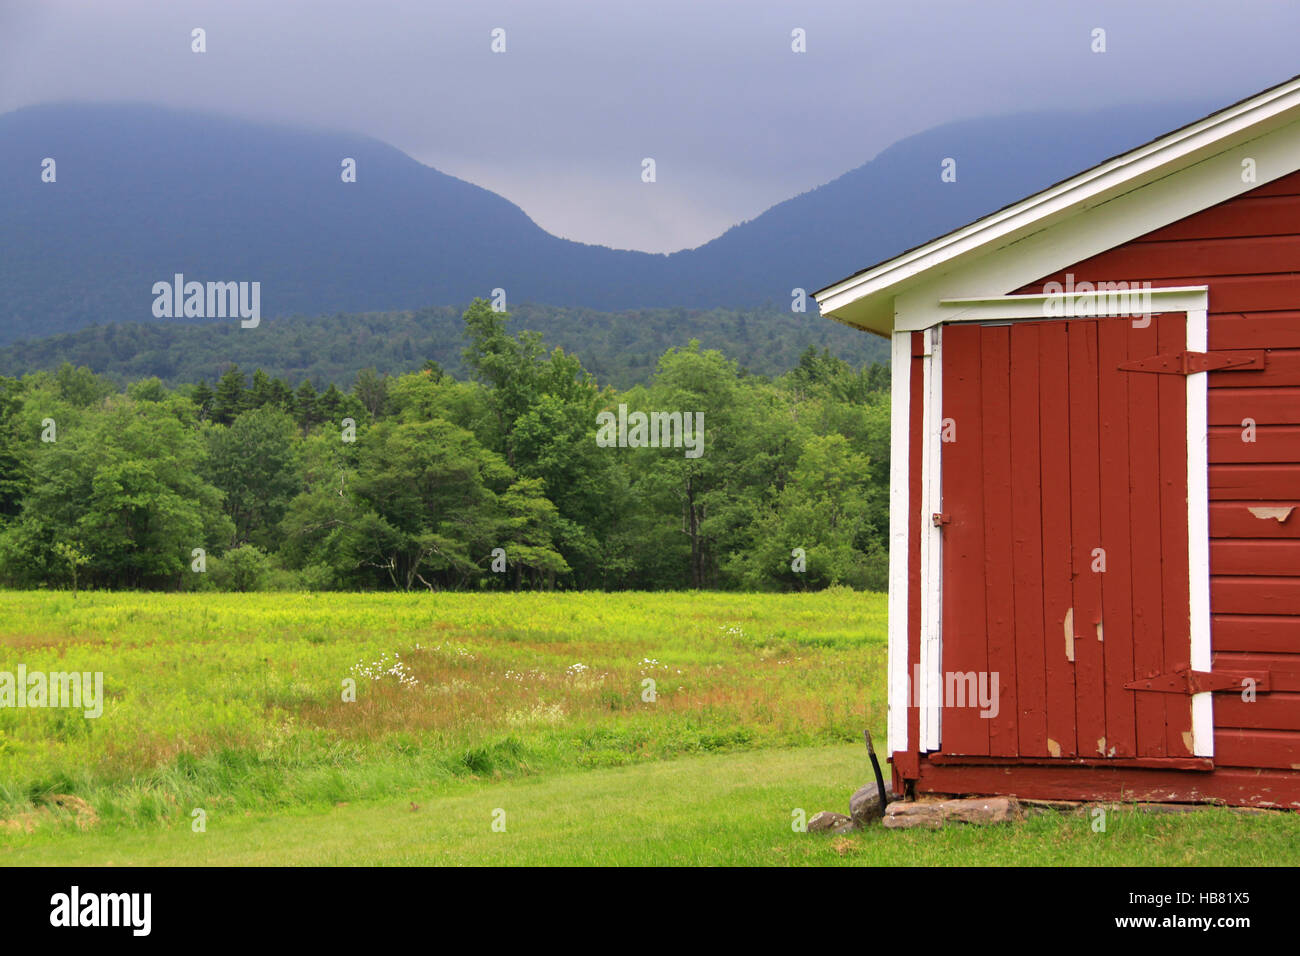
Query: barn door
{"points": [[1064, 540]]}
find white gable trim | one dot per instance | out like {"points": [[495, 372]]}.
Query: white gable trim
{"points": [[1104, 227]]}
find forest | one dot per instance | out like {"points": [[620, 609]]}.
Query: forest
{"points": [[426, 480], [618, 348]]}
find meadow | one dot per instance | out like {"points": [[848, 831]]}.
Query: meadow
{"points": [[530, 710], [235, 702]]}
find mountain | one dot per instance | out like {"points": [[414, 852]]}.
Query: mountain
{"points": [[144, 192]]}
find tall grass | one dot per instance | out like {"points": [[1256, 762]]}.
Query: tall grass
{"points": [[237, 701]]}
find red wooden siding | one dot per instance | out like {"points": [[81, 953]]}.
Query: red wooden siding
{"points": [[1027, 442], [1247, 250], [965, 649]]}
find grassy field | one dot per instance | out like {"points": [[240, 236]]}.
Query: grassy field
{"points": [[530, 710]]}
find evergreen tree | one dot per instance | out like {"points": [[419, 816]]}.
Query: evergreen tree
{"points": [[307, 406], [262, 393], [231, 398], [202, 398], [331, 405]]}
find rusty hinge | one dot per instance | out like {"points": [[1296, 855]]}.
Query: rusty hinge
{"points": [[1184, 680], [1185, 363], [940, 519]]}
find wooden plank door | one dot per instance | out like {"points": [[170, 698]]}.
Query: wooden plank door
{"points": [[1065, 530]]}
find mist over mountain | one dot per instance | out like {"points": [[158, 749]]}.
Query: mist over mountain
{"points": [[143, 193]]}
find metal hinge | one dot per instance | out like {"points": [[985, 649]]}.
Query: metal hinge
{"points": [[1186, 363], [1184, 680]]}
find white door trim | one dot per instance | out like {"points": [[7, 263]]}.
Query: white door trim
{"points": [[1191, 300], [1198, 531], [931, 689]]}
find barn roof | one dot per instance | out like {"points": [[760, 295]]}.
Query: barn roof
{"points": [[865, 299]]}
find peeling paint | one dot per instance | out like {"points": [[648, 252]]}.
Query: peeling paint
{"points": [[1187, 740], [1053, 747], [1101, 746], [1099, 630], [1278, 514], [1069, 634]]}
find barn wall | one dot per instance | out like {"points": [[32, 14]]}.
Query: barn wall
{"points": [[1247, 251]]}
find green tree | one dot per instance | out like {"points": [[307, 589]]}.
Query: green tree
{"points": [[371, 389], [80, 386], [306, 403], [254, 464], [244, 568], [231, 397], [202, 398], [825, 510], [509, 366], [429, 490], [15, 453], [528, 532], [124, 485], [74, 557]]}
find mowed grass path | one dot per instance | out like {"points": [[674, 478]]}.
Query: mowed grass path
{"points": [[722, 809]]}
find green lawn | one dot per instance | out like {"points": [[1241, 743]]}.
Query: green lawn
{"points": [[724, 809], [534, 704]]}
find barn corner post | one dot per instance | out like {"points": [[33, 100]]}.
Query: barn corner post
{"points": [[899, 685], [914, 608]]}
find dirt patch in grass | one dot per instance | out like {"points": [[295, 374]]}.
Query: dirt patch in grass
{"points": [[55, 805]]}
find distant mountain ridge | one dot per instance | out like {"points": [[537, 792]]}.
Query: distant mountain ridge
{"points": [[144, 192]]}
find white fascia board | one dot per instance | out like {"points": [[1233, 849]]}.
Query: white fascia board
{"points": [[1215, 136]]}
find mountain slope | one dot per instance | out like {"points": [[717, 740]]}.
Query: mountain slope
{"points": [[144, 192], [897, 200]]}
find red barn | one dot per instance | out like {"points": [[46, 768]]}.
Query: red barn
{"points": [[1095, 502]]}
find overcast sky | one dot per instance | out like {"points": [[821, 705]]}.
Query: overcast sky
{"points": [[711, 89]]}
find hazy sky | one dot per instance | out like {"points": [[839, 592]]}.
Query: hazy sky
{"points": [[586, 89]]}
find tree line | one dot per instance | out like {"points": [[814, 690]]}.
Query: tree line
{"points": [[426, 481], [619, 348]]}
